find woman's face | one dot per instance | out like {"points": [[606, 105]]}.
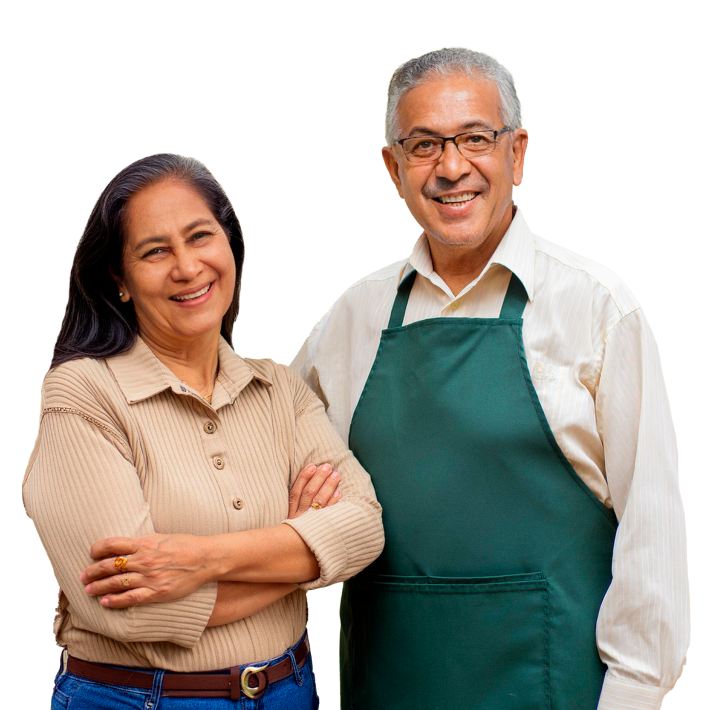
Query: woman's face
{"points": [[178, 266]]}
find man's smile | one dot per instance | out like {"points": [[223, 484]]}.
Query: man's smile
{"points": [[456, 204]]}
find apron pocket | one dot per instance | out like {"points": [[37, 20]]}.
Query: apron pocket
{"points": [[449, 642]]}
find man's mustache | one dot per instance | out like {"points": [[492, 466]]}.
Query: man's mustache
{"points": [[442, 186]]}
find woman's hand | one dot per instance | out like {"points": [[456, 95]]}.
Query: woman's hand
{"points": [[315, 484], [159, 568]]}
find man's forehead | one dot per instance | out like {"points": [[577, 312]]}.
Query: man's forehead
{"points": [[456, 103], [474, 125]]}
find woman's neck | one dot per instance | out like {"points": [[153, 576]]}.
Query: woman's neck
{"points": [[193, 361]]}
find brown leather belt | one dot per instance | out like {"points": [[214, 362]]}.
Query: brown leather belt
{"points": [[251, 681]]}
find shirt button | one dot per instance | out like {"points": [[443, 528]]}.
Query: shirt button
{"points": [[209, 427], [238, 503], [218, 462], [455, 306]]}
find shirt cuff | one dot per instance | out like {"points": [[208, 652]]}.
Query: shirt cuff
{"points": [[319, 533], [181, 622], [618, 694]]}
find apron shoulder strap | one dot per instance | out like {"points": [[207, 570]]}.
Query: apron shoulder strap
{"points": [[515, 299], [514, 304], [401, 300]]}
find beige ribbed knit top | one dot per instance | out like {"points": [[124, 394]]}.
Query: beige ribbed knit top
{"points": [[125, 448]]}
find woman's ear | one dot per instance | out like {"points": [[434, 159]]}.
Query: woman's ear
{"points": [[123, 294]]}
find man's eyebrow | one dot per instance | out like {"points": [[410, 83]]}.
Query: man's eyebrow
{"points": [[159, 239], [425, 131]]}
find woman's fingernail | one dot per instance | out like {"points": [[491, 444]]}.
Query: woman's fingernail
{"points": [[334, 474], [88, 589], [336, 494], [326, 467], [311, 469], [104, 601], [82, 577]]}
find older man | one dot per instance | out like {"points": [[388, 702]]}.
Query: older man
{"points": [[506, 396]]}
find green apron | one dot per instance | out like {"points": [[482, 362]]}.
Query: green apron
{"points": [[497, 555]]}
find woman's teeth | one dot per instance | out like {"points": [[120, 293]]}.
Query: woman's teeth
{"points": [[192, 296]]}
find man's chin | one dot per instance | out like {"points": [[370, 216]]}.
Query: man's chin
{"points": [[458, 238]]}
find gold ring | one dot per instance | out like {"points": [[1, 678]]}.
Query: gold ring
{"points": [[316, 505], [126, 582], [120, 563]]}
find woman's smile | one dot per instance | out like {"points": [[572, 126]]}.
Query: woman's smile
{"points": [[193, 297]]}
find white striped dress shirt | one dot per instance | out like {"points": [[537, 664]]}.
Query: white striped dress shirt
{"points": [[596, 369]]}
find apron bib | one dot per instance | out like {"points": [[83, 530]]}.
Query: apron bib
{"points": [[497, 555]]}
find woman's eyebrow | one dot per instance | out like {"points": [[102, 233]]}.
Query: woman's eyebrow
{"points": [[159, 238]]}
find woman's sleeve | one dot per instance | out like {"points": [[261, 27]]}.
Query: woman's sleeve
{"points": [[80, 487], [347, 536]]}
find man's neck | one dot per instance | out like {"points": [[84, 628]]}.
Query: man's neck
{"points": [[459, 264]]}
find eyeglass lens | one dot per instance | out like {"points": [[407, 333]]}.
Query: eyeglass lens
{"points": [[470, 145]]}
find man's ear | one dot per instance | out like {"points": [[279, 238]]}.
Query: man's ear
{"points": [[520, 145], [392, 165]]}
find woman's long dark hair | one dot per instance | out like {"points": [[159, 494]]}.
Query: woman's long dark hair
{"points": [[96, 324]]}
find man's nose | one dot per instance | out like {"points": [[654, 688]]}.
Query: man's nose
{"points": [[452, 165]]}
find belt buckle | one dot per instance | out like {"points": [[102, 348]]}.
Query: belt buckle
{"points": [[247, 673]]}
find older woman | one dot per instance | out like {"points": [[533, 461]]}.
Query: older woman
{"points": [[156, 433]]}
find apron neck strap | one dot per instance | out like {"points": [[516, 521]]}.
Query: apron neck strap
{"points": [[514, 304], [400, 302], [515, 299]]}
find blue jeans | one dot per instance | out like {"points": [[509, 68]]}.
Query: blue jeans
{"points": [[72, 692]]}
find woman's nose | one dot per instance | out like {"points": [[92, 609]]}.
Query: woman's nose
{"points": [[186, 266]]}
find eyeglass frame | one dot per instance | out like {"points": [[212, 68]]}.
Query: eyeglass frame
{"points": [[496, 133]]}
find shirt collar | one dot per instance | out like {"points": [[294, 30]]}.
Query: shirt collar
{"points": [[516, 252], [140, 374]]}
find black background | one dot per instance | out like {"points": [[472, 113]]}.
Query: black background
{"points": [[318, 215]]}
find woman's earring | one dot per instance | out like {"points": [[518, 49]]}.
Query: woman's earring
{"points": [[120, 294]]}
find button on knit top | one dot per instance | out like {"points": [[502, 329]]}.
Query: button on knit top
{"points": [[125, 448]]}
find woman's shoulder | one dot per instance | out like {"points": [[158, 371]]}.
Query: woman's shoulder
{"points": [[285, 381], [85, 385], [274, 372]]}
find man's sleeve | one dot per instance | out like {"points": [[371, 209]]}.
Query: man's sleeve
{"points": [[643, 628], [348, 536], [304, 365]]}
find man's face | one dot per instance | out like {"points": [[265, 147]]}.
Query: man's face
{"points": [[445, 107]]}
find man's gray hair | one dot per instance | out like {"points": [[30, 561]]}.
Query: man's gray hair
{"points": [[450, 62]]}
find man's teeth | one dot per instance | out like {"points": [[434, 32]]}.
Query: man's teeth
{"points": [[457, 198], [190, 296]]}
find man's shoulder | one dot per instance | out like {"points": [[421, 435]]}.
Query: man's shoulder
{"points": [[373, 287], [387, 273], [579, 270]]}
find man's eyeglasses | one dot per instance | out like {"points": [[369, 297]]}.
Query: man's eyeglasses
{"points": [[428, 149]]}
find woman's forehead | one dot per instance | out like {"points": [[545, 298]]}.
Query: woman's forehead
{"points": [[168, 208]]}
